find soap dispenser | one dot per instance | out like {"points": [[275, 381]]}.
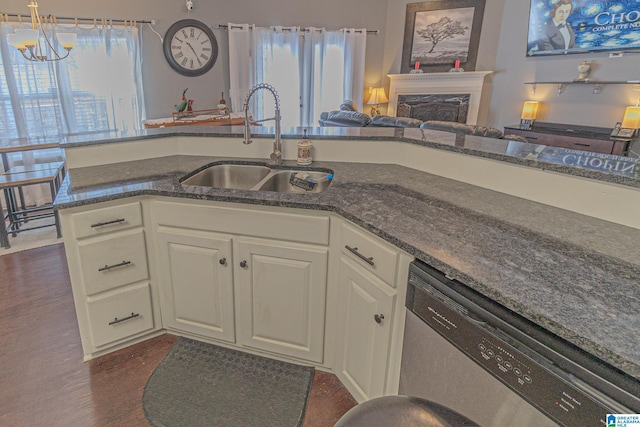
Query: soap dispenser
{"points": [[304, 150]]}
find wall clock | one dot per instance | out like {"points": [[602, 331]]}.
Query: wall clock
{"points": [[190, 47]]}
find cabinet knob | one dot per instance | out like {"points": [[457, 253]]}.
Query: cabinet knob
{"points": [[378, 318], [243, 264], [223, 261]]}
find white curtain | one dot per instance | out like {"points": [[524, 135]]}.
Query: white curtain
{"points": [[241, 63], [354, 44], [280, 67], [97, 88], [265, 55], [312, 71]]}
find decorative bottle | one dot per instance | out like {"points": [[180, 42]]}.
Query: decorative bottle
{"points": [[304, 150]]}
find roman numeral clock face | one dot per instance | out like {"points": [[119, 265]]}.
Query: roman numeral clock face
{"points": [[190, 47]]}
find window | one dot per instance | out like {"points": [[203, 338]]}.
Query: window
{"points": [[313, 70], [97, 88]]}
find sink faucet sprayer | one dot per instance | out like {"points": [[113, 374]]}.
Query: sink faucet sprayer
{"points": [[276, 156]]}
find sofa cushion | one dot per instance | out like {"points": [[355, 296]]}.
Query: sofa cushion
{"points": [[463, 128], [348, 105], [344, 118], [394, 122]]}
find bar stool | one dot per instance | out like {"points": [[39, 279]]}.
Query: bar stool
{"points": [[19, 177], [402, 411], [59, 166]]}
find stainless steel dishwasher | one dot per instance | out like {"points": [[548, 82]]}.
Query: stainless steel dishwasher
{"points": [[480, 359]]}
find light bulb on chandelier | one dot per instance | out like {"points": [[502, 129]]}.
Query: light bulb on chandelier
{"points": [[28, 42]]}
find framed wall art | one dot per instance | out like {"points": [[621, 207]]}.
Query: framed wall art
{"points": [[558, 27], [439, 32]]}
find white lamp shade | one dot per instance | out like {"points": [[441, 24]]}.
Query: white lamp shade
{"points": [[377, 96], [631, 118], [67, 40], [15, 41], [529, 110], [28, 38]]}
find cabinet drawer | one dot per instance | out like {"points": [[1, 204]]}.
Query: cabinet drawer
{"points": [[307, 228], [371, 253], [564, 141], [113, 260], [120, 314], [105, 220], [584, 144]]}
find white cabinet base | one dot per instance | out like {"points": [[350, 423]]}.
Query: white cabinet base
{"points": [[115, 297], [306, 287]]}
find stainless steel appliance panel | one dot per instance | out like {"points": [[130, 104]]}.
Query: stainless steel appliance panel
{"points": [[478, 358]]}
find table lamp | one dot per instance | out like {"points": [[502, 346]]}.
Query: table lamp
{"points": [[377, 97], [631, 118], [628, 129], [529, 113]]}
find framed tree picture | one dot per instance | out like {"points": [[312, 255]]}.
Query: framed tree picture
{"points": [[439, 32]]}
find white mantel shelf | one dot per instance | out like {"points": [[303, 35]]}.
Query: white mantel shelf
{"points": [[467, 82]]}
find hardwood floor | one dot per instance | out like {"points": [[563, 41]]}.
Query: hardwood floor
{"points": [[43, 380]]}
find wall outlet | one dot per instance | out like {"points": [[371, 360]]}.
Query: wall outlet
{"points": [[616, 54]]}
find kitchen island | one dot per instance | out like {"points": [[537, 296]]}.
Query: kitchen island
{"points": [[573, 274]]}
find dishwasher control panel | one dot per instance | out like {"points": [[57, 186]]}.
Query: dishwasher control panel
{"points": [[543, 387], [505, 361]]}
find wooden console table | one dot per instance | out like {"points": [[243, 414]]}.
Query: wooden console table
{"points": [[585, 138], [212, 117]]}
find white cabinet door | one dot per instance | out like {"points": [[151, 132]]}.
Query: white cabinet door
{"points": [[196, 278], [281, 290], [364, 330]]}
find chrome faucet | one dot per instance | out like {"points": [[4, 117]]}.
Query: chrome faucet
{"points": [[276, 156]]}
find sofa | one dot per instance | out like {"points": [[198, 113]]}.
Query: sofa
{"points": [[348, 116], [357, 119]]}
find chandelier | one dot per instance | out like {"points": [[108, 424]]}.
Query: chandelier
{"points": [[29, 44]]}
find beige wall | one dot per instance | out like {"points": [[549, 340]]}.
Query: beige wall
{"points": [[578, 104], [502, 49], [487, 51]]}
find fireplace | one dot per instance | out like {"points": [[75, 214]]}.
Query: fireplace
{"points": [[453, 97], [448, 108]]}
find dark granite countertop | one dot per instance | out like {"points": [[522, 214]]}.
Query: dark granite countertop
{"points": [[603, 167], [577, 276]]}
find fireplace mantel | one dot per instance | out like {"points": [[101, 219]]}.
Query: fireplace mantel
{"points": [[462, 83]]}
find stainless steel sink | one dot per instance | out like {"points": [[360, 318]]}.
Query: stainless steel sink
{"points": [[260, 178], [280, 182], [242, 177]]}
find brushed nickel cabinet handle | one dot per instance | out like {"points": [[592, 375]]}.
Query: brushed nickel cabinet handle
{"points": [[102, 224], [359, 255], [124, 319], [111, 267]]}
